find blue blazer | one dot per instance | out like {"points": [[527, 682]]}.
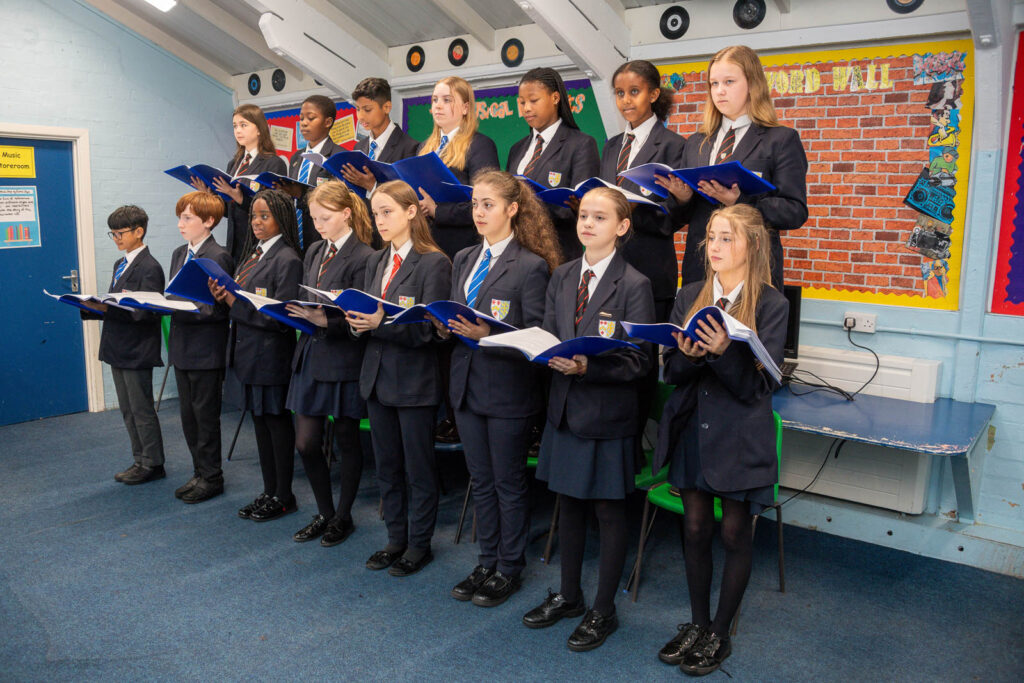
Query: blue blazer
{"points": [[602, 404], [651, 248], [400, 363], [494, 382], [197, 341], [778, 155], [453, 225], [260, 348], [130, 340], [334, 354], [731, 399], [569, 159]]}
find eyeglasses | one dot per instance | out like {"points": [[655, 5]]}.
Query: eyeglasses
{"points": [[118, 234]]}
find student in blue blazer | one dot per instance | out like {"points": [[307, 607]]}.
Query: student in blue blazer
{"points": [[740, 124], [401, 378], [196, 346], [493, 394], [589, 444], [556, 153], [130, 344], [717, 430], [260, 349], [326, 365]]}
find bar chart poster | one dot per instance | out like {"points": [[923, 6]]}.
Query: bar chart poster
{"points": [[19, 217]]}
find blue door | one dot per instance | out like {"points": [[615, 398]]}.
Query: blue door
{"points": [[42, 350]]}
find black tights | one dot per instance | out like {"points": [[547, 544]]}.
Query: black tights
{"points": [[309, 440], [572, 536], [275, 442], [737, 537]]}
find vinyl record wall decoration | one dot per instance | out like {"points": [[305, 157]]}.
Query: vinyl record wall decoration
{"points": [[674, 22], [512, 52], [458, 52], [414, 58]]}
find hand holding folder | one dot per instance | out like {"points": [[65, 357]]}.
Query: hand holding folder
{"points": [[559, 195], [427, 173], [208, 174], [540, 346], [449, 310], [356, 301], [191, 281], [144, 301], [278, 310], [727, 174]]}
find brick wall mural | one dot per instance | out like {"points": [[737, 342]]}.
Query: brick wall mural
{"points": [[887, 132]]}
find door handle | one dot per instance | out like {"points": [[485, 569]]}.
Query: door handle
{"points": [[73, 279]]}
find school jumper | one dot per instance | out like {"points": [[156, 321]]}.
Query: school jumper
{"points": [[401, 383], [238, 214], [777, 155], [196, 348], [317, 175], [569, 159], [494, 395]]}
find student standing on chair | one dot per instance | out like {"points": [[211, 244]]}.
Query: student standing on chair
{"points": [[387, 142], [316, 116], [325, 379], [717, 429], [587, 453], [195, 348], [130, 344], [401, 379], [493, 394], [255, 154], [556, 153], [740, 124], [260, 349]]}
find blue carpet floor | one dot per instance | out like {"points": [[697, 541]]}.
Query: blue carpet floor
{"points": [[99, 581]]}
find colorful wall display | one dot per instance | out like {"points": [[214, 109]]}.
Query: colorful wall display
{"points": [[1008, 288], [19, 217], [887, 130], [284, 129]]}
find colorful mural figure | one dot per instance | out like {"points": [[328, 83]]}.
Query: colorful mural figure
{"points": [[934, 277]]}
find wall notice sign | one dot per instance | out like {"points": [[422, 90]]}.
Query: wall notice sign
{"points": [[17, 162], [19, 217], [281, 136], [343, 130]]}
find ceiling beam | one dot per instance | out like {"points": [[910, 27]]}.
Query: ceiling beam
{"points": [[595, 36], [187, 53], [469, 19], [324, 49], [238, 30], [784, 6], [363, 36]]}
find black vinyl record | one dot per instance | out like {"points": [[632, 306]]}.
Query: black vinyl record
{"points": [[414, 58], [748, 14], [254, 84], [277, 79], [458, 52], [904, 6], [674, 22], [512, 52]]}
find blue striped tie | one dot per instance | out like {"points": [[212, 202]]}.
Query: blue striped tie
{"points": [[121, 266], [303, 178], [373, 150], [478, 279], [444, 141], [191, 255]]}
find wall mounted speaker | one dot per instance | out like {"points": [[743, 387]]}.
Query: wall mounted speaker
{"points": [[748, 14], [277, 79], [254, 84]]}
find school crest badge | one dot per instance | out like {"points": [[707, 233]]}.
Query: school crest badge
{"points": [[321, 180], [645, 192], [606, 328], [499, 308], [406, 301], [554, 178], [261, 291], [336, 292], [254, 186]]}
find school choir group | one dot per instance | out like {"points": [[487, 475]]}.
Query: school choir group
{"points": [[574, 270]]}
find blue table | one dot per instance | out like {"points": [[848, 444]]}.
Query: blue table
{"points": [[945, 427]]}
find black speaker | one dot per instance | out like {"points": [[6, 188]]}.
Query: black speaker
{"points": [[254, 84], [277, 79], [904, 6], [674, 22], [748, 14]]}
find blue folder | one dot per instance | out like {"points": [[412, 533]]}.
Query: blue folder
{"points": [[277, 312], [190, 282], [381, 171], [450, 310], [430, 173], [269, 178], [730, 173], [207, 174], [584, 346], [558, 195], [360, 302], [643, 176]]}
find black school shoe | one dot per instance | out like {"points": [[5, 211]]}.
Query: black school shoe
{"points": [[204, 490], [496, 590], [465, 589], [407, 567], [337, 531], [188, 486], [260, 501], [314, 529], [143, 475], [274, 508], [552, 610], [130, 471], [382, 559], [706, 655], [593, 631], [683, 642]]}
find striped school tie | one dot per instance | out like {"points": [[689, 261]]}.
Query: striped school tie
{"points": [[191, 255], [323, 266], [444, 141], [303, 178], [373, 150], [244, 166], [249, 265], [583, 295], [728, 145], [394, 271], [122, 265], [537, 151], [623, 162], [478, 279], [722, 303]]}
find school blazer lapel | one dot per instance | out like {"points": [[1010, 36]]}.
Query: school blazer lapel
{"points": [[649, 151], [515, 155], [748, 143], [408, 265], [391, 149], [378, 273], [337, 264], [466, 273], [498, 268], [567, 311], [605, 288], [265, 261]]}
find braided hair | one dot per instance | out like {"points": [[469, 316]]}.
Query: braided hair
{"points": [[551, 81], [282, 208]]}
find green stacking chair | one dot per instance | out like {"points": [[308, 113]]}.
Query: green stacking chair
{"points": [[662, 496], [165, 325]]}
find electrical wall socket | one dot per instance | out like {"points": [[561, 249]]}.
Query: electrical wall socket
{"points": [[862, 322]]}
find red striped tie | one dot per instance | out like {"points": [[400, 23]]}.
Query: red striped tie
{"points": [[623, 162], [728, 144], [249, 265], [394, 271], [323, 266], [537, 150], [583, 295]]}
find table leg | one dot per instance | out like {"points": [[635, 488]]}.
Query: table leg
{"points": [[962, 486]]}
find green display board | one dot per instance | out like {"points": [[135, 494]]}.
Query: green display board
{"points": [[498, 112]]}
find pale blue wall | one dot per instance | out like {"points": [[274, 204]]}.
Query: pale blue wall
{"points": [[63, 63]]}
